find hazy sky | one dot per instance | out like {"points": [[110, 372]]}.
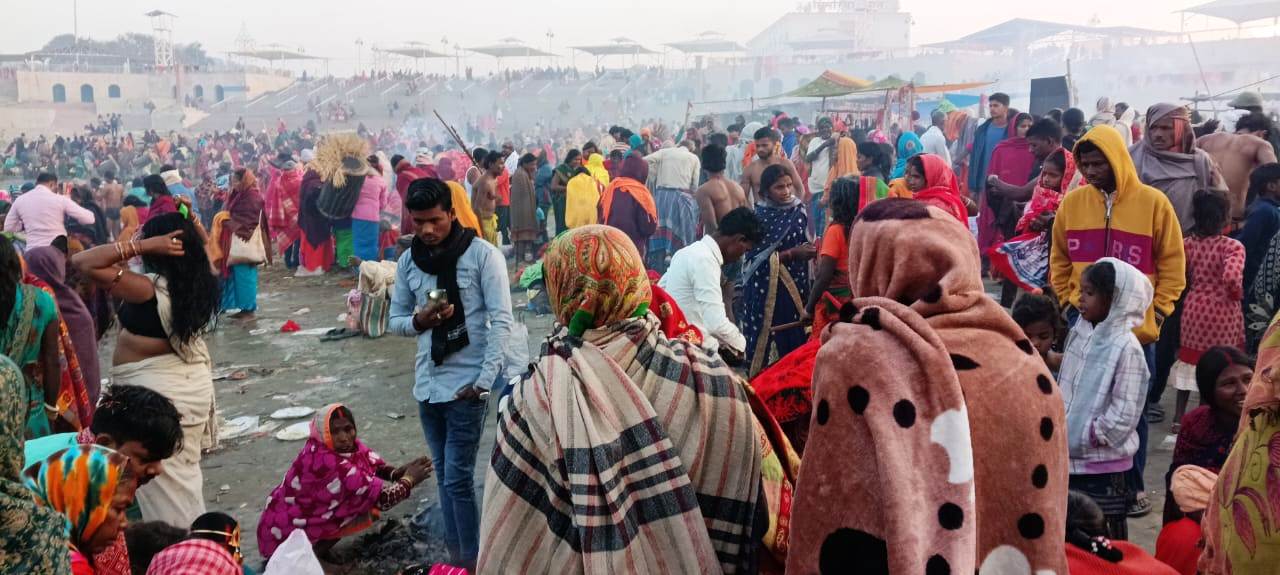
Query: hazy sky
{"points": [[327, 28]]}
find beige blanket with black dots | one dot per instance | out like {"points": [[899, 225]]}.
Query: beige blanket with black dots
{"points": [[922, 258], [886, 484]]}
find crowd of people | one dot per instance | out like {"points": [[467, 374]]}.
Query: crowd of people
{"points": [[663, 426]]}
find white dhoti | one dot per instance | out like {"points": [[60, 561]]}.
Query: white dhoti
{"points": [[176, 496]]}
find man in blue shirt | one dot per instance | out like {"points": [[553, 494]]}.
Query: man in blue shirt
{"points": [[985, 138], [462, 338]]}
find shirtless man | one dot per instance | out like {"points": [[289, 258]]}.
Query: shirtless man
{"points": [[1237, 155], [112, 200], [719, 195], [484, 195], [767, 154], [716, 198], [474, 171]]}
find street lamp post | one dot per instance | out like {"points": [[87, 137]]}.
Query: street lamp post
{"points": [[359, 45], [550, 35], [444, 49]]}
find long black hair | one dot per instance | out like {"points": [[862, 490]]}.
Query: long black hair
{"points": [[154, 185], [1210, 211], [193, 289], [1212, 364], [10, 276], [844, 201], [769, 177]]}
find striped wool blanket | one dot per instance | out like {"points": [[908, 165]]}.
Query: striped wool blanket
{"points": [[624, 452]]}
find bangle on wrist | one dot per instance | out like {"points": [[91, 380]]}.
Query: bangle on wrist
{"points": [[115, 280], [51, 408]]}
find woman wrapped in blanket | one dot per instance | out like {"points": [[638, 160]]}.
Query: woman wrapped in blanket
{"points": [[911, 395], [613, 401]]}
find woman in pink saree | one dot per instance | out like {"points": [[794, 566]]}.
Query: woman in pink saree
{"points": [[336, 487]]}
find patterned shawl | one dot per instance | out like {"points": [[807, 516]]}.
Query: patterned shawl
{"points": [[73, 391], [599, 279], [325, 493], [624, 451], [50, 265], [283, 201], [32, 538], [1244, 507], [79, 482]]}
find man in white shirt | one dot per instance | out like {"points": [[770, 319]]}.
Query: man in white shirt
{"points": [[42, 213], [675, 168], [818, 155], [699, 293], [935, 140]]}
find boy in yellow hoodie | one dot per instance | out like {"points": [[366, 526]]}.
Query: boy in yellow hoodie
{"points": [[1117, 216]]}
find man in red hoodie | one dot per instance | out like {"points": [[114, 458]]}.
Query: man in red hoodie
{"points": [[406, 173]]}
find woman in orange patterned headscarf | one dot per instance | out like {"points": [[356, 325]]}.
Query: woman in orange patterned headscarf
{"points": [[595, 278], [90, 485]]}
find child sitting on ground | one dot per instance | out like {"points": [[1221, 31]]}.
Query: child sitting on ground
{"points": [[1037, 315], [147, 539], [336, 487], [1211, 311], [211, 548], [1104, 382]]}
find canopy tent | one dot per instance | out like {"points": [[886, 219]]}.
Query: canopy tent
{"points": [[1238, 11], [274, 55], [510, 48], [619, 47], [707, 43], [828, 85], [415, 51], [836, 85], [1023, 31]]}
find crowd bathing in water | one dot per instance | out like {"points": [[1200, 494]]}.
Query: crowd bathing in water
{"points": [[935, 348]]}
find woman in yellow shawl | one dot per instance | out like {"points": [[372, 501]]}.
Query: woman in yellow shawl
{"points": [[462, 208], [595, 165], [582, 197]]}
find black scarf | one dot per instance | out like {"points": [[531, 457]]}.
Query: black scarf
{"points": [[451, 335]]}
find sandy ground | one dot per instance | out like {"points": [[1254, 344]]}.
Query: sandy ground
{"points": [[374, 378]]}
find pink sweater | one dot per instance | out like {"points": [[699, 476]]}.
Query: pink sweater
{"points": [[42, 215], [373, 199]]}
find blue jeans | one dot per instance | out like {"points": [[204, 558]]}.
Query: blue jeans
{"points": [[1134, 476], [817, 214], [453, 432], [240, 288]]}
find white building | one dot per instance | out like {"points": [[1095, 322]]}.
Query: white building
{"points": [[833, 29]]}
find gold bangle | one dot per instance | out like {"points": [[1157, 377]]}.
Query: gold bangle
{"points": [[115, 280]]}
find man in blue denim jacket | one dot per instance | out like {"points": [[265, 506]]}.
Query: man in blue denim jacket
{"points": [[461, 345]]}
